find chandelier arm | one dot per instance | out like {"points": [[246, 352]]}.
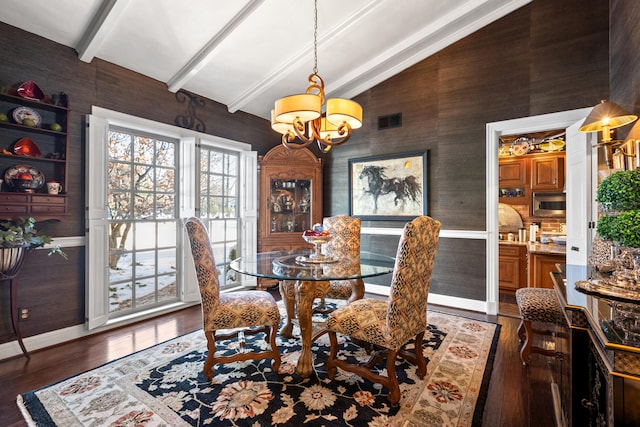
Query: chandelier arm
{"points": [[344, 130], [288, 141], [316, 87]]}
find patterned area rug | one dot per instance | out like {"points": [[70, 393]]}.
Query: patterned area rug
{"points": [[164, 386]]}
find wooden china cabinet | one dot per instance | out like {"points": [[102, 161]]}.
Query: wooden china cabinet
{"points": [[290, 199]]}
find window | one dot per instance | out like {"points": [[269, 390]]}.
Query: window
{"points": [[143, 221], [143, 179], [218, 191]]}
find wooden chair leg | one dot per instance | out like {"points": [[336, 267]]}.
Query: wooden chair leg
{"points": [[211, 351], [421, 364], [271, 337], [333, 352], [392, 380], [521, 331], [528, 341]]}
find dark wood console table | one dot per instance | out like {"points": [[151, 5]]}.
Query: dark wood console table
{"points": [[598, 345]]}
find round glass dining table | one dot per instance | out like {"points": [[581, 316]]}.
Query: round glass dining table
{"points": [[304, 278]]}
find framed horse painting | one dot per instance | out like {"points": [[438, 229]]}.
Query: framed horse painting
{"points": [[390, 187]]}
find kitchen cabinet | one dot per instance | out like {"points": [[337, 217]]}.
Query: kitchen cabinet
{"points": [[290, 199], [513, 177], [512, 267], [547, 172], [37, 149], [540, 266], [513, 172]]}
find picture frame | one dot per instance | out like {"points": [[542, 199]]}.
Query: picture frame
{"points": [[388, 187]]}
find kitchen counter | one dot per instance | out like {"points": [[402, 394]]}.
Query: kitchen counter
{"points": [[539, 248]]}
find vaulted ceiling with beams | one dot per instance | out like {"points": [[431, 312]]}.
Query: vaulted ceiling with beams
{"points": [[248, 53]]}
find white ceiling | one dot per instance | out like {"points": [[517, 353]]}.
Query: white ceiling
{"points": [[247, 53]]}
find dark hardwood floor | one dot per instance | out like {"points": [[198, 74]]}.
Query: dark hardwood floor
{"points": [[518, 396]]}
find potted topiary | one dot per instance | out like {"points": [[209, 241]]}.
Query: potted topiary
{"points": [[620, 191], [618, 196], [17, 236]]}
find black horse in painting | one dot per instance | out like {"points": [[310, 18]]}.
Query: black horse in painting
{"points": [[405, 189]]}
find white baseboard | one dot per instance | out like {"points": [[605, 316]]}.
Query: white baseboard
{"points": [[59, 336]]}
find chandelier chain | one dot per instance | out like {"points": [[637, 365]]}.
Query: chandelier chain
{"points": [[315, 37]]}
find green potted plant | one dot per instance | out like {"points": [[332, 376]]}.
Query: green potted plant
{"points": [[623, 229], [22, 233], [620, 191]]}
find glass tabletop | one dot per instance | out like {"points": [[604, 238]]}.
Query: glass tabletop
{"points": [[299, 265]]}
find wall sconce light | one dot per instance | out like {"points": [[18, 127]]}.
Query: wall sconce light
{"points": [[605, 117]]}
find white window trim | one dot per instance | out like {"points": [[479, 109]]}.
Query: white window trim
{"points": [[98, 123]]}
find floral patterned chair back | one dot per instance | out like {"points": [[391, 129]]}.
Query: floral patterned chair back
{"points": [[345, 242], [241, 311], [407, 313], [204, 261], [388, 326]]}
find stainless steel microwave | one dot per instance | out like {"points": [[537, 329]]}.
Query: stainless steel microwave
{"points": [[549, 205]]}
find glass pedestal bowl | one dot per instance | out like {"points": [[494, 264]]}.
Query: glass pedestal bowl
{"points": [[317, 241]]}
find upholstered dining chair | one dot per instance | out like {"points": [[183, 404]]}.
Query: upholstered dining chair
{"points": [[345, 241], [390, 325], [248, 312]]}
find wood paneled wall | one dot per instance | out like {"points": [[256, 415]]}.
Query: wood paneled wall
{"points": [[51, 287], [546, 57]]}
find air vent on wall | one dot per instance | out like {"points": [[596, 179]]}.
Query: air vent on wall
{"points": [[390, 121]]}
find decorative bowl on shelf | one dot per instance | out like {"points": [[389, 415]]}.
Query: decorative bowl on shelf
{"points": [[24, 178], [30, 90], [26, 185]]}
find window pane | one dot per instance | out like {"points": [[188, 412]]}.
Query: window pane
{"points": [[165, 154], [145, 292], [120, 296], [121, 268], [230, 208], [145, 264], [119, 205], [165, 180], [119, 146], [143, 150], [219, 253], [145, 236], [215, 207], [167, 234], [165, 206], [215, 185], [143, 176], [232, 165], [166, 262], [231, 230], [143, 206], [118, 176], [230, 185], [216, 231], [215, 162]]}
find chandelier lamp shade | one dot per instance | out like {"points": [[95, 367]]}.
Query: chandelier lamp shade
{"points": [[301, 120], [606, 116]]}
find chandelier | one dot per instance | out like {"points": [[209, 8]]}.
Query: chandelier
{"points": [[300, 120]]}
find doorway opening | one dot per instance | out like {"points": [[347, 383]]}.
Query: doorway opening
{"points": [[495, 131]]}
